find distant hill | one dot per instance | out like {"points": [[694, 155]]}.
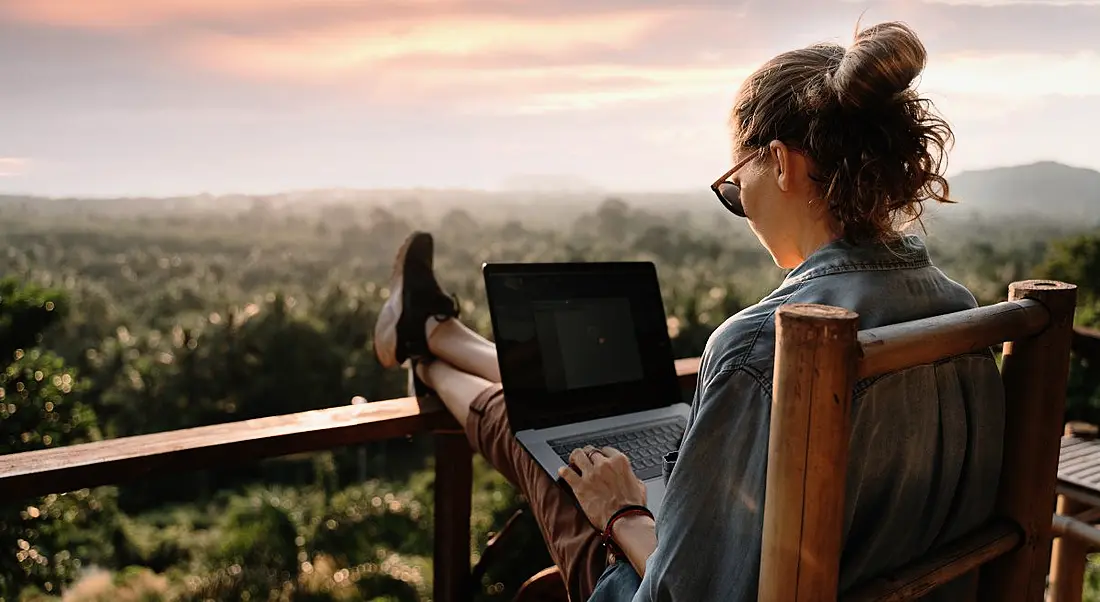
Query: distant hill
{"points": [[1046, 189]]}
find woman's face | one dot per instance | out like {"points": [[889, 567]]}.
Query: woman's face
{"points": [[776, 194]]}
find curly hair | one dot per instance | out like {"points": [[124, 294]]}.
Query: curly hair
{"points": [[877, 148]]}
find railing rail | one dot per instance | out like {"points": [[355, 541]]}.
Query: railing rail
{"points": [[125, 459]]}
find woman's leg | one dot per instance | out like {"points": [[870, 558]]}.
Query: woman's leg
{"points": [[462, 368], [478, 403], [454, 342], [455, 387]]}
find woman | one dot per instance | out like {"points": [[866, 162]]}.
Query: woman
{"points": [[833, 152]]}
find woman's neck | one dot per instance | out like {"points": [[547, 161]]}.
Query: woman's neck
{"points": [[815, 236]]}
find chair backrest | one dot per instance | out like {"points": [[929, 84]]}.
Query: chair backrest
{"points": [[820, 355]]}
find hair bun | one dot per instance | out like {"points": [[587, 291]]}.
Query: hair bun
{"points": [[882, 62]]}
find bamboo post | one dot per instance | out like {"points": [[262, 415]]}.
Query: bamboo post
{"points": [[808, 453], [453, 490], [1067, 559], [1034, 371]]}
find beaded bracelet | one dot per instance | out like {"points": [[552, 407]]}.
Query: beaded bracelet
{"points": [[629, 510]]}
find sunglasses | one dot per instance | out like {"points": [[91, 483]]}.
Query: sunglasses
{"points": [[729, 193]]}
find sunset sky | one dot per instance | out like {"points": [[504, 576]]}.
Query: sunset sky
{"points": [[161, 97]]}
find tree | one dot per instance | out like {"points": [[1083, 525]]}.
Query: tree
{"points": [[44, 542], [1077, 260]]}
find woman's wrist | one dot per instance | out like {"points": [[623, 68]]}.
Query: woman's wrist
{"points": [[634, 524], [622, 513], [635, 537]]}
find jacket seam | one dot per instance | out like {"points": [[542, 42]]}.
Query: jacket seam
{"points": [[861, 267], [743, 359], [726, 372]]}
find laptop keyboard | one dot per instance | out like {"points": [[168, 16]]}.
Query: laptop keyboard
{"points": [[645, 445]]}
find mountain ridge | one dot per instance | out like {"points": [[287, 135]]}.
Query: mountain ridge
{"points": [[1047, 188]]}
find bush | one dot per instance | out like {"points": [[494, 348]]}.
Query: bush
{"points": [[44, 542]]}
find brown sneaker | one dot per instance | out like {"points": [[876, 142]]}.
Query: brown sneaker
{"points": [[415, 296]]}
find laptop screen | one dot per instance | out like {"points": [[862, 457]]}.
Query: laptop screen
{"points": [[580, 341]]}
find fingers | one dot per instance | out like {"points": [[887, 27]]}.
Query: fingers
{"points": [[613, 453], [595, 456], [616, 457], [580, 459], [569, 475]]}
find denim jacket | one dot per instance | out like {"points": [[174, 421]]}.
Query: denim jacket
{"points": [[925, 445]]}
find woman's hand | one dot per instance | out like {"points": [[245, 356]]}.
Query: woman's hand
{"points": [[605, 483]]}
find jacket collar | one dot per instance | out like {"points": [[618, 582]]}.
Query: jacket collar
{"points": [[838, 256]]}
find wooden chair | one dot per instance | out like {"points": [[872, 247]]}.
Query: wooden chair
{"points": [[820, 355]]}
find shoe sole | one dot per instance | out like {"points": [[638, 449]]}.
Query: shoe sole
{"points": [[385, 329]]}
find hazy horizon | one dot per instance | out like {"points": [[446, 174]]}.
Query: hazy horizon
{"points": [[111, 98], [574, 188]]}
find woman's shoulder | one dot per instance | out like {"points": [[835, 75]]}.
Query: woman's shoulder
{"points": [[746, 339], [880, 297]]}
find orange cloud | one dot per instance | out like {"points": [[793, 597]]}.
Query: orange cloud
{"points": [[343, 50], [966, 84], [580, 87], [114, 14], [121, 13], [13, 166]]}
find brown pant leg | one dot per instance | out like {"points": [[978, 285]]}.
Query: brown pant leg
{"points": [[573, 542]]}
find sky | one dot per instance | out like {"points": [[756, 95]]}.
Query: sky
{"points": [[170, 97]]}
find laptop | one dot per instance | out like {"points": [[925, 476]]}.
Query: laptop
{"points": [[585, 359]]}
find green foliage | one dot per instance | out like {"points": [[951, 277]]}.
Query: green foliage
{"points": [[1092, 580], [259, 533], [41, 407], [44, 542], [1077, 260], [26, 311], [366, 520]]}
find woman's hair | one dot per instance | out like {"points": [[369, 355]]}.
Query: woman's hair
{"points": [[877, 148]]}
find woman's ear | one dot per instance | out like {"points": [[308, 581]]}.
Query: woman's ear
{"points": [[782, 165]]}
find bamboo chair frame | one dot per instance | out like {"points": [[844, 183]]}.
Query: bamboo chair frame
{"points": [[821, 354]]}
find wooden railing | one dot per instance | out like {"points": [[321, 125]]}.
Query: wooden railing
{"points": [[127, 459]]}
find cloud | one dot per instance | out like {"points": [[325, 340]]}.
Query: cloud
{"points": [[96, 14], [1015, 77], [968, 86], [976, 85], [995, 3], [575, 87], [123, 14], [13, 166], [234, 88], [508, 56], [337, 51]]}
